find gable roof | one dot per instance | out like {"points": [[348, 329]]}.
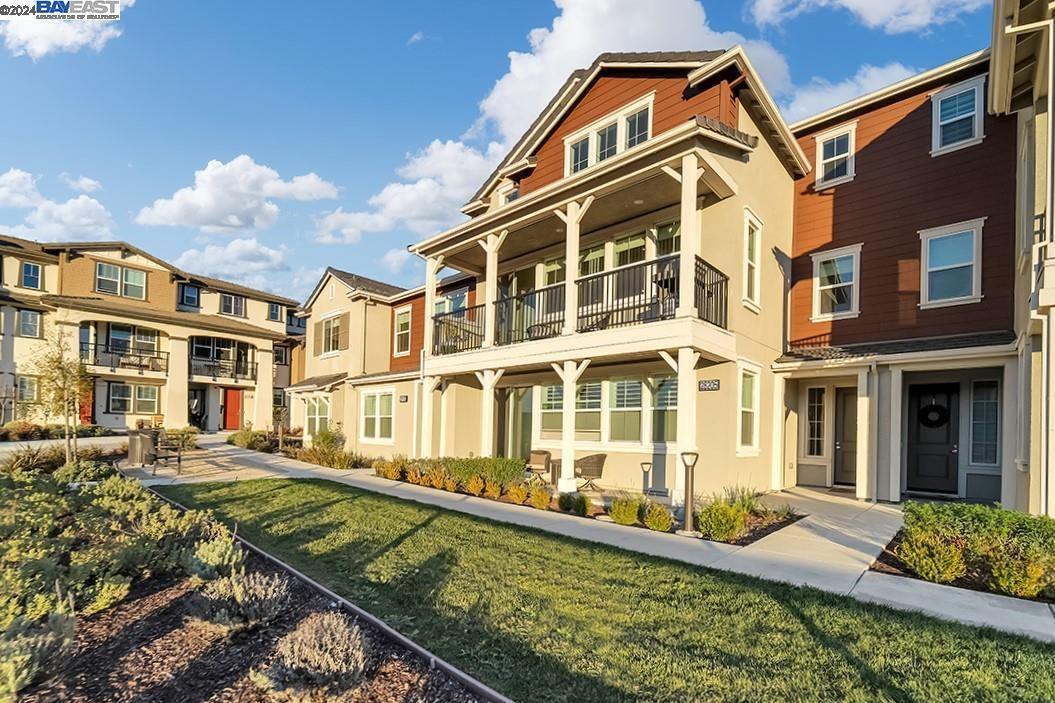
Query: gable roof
{"points": [[354, 282], [574, 87]]}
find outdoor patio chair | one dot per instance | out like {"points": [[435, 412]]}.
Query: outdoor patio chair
{"points": [[166, 449], [538, 464], [589, 469]]}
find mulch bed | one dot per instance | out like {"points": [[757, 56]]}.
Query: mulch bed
{"points": [[149, 649], [889, 563], [759, 527]]}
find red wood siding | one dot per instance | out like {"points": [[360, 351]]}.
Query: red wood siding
{"points": [[612, 91], [412, 361], [898, 190]]}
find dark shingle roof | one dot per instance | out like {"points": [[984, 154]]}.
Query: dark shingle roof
{"points": [[898, 346], [318, 382], [369, 285]]}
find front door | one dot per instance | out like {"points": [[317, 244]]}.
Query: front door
{"points": [[845, 436], [518, 420], [232, 408], [933, 438]]}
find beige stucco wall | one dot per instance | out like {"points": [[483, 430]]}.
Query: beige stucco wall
{"points": [[12, 276], [405, 419]]}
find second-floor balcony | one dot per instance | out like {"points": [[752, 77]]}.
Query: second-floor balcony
{"points": [[116, 357], [236, 370], [629, 295]]}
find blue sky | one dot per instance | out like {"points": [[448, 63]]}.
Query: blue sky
{"points": [[264, 141]]}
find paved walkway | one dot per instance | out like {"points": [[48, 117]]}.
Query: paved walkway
{"points": [[110, 442], [830, 549]]}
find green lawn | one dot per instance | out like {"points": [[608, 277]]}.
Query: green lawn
{"points": [[543, 618]]}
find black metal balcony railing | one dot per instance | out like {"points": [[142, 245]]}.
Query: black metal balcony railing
{"points": [[537, 314], [630, 295], [114, 357], [222, 368], [712, 294], [458, 330]]}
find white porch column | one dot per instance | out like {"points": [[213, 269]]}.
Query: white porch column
{"points": [[1009, 431], [685, 367], [488, 379], [896, 392], [572, 221], [491, 245], [779, 386], [689, 177], [432, 268], [176, 392], [263, 400], [429, 384], [569, 373], [865, 489]]}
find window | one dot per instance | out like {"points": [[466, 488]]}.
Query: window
{"points": [[278, 398], [120, 338], [134, 284], [835, 155], [591, 261], [553, 271], [377, 416], [835, 289], [281, 356], [202, 347], [609, 136], [665, 410], [815, 422], [985, 423], [607, 141], [28, 323], [293, 321], [588, 411], [402, 332], [747, 430], [625, 411], [116, 280], [30, 277], [452, 301], [190, 295], [120, 400], [146, 400], [26, 391], [552, 410], [957, 116], [331, 334], [752, 260], [512, 195], [274, 312], [668, 239], [146, 340], [951, 264], [232, 305], [316, 415]]}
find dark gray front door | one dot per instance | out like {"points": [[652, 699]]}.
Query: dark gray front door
{"points": [[846, 436], [933, 438]]}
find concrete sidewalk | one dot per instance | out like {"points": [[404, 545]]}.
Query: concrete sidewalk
{"points": [[831, 549]]}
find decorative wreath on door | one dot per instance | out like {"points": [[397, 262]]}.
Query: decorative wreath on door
{"points": [[933, 415]]}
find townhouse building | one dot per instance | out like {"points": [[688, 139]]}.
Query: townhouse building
{"points": [[163, 346]]}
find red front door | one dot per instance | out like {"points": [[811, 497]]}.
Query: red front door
{"points": [[87, 406], [232, 408]]}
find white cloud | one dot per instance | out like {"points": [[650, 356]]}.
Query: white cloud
{"points": [[18, 188], [438, 180], [233, 197], [893, 16], [395, 260], [415, 38], [303, 282], [81, 183], [244, 260], [78, 219], [38, 38], [820, 94]]}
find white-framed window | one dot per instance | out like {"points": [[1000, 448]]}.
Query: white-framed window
{"points": [[958, 116], [26, 389], [588, 411], [331, 334], [190, 295], [836, 286], [624, 129], [814, 445], [668, 238], [747, 430], [316, 415], [232, 304], [985, 422], [281, 355], [134, 283], [452, 301], [552, 422], [624, 410], [376, 424], [146, 340], [665, 410], [835, 155], [274, 312], [752, 260], [28, 323], [278, 398], [119, 398], [146, 400], [951, 264], [401, 343], [30, 275], [107, 278], [119, 280]]}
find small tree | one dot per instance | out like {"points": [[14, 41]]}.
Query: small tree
{"points": [[62, 380]]}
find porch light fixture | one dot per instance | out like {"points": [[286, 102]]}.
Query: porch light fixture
{"points": [[689, 459], [646, 466]]}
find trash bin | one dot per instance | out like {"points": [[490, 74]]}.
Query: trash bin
{"points": [[135, 448]]}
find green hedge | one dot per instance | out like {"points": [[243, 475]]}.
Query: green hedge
{"points": [[496, 469]]}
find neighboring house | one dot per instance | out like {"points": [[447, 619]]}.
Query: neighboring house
{"points": [[163, 346]]}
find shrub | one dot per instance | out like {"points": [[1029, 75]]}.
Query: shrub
{"points": [[501, 470], [255, 440], [626, 509], [576, 503], [243, 600], [392, 469], [658, 518], [450, 484], [437, 477], [746, 499], [540, 497], [722, 521], [213, 558], [105, 592], [413, 475], [492, 490], [1017, 573], [34, 460], [932, 557], [327, 653], [185, 438], [84, 471], [28, 648], [475, 485], [517, 492], [21, 430]]}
